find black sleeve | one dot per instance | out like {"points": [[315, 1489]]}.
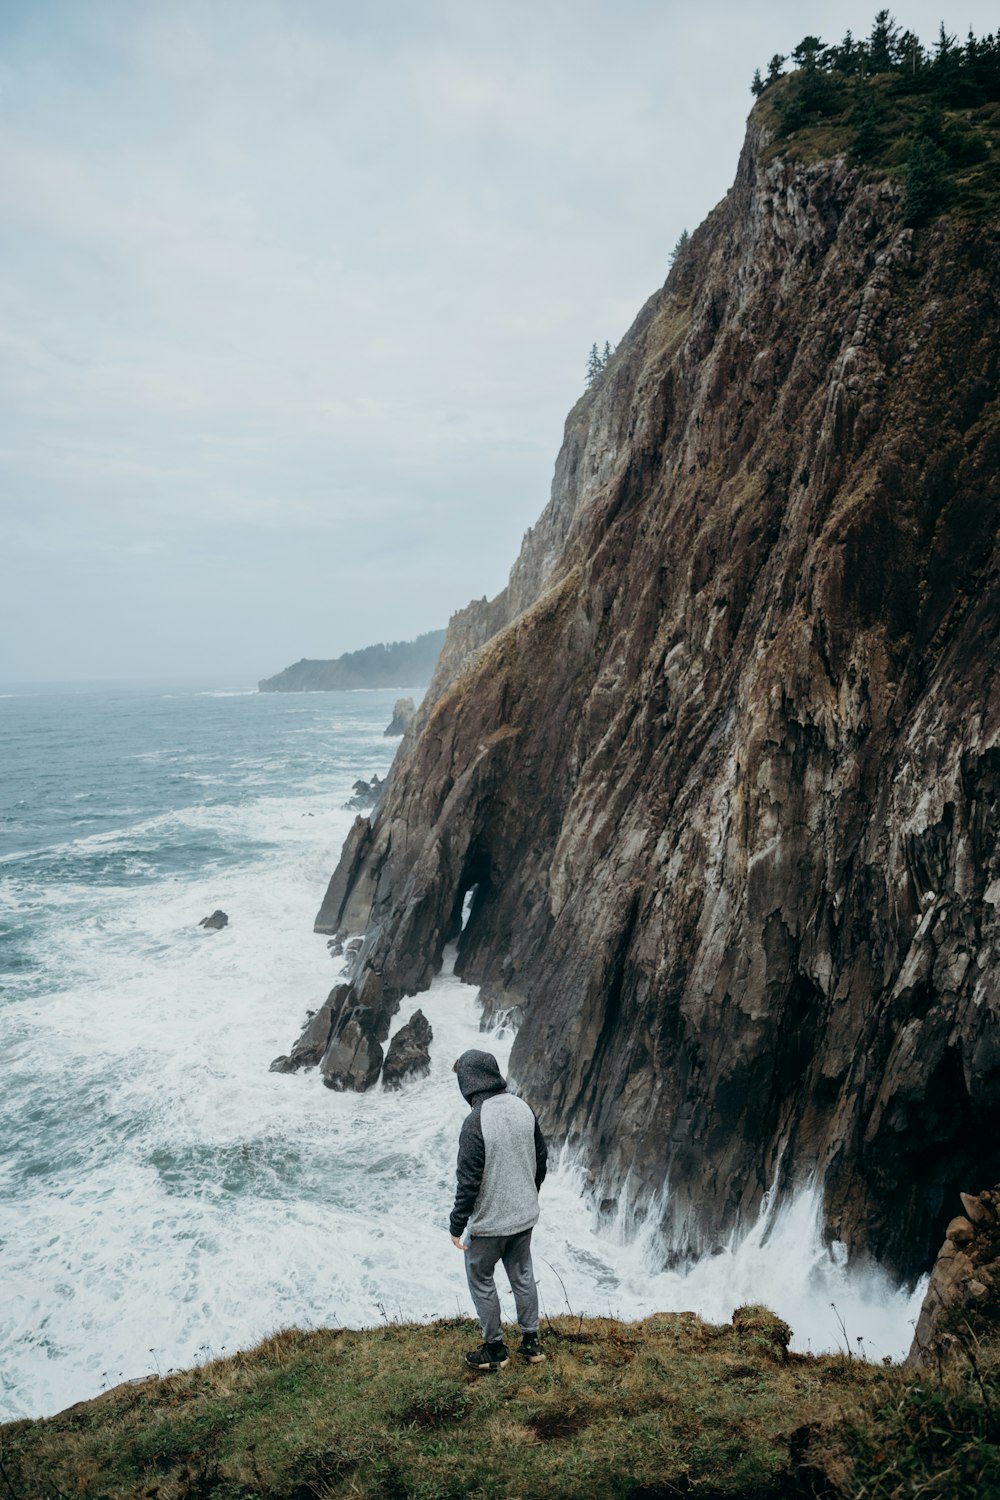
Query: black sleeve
{"points": [[541, 1156], [471, 1161]]}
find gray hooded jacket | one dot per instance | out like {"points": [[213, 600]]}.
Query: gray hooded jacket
{"points": [[502, 1154]]}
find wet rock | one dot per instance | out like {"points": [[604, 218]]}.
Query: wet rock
{"points": [[315, 1036], [402, 717], [217, 920], [347, 879], [335, 947], [366, 793], [353, 1057], [408, 1055]]}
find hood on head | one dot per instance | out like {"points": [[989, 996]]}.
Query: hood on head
{"points": [[479, 1073]]}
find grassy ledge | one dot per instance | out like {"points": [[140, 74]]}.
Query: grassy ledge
{"points": [[669, 1406], [963, 144]]}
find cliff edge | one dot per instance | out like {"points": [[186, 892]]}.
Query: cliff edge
{"points": [[716, 778]]}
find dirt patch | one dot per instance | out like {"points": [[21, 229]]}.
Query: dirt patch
{"points": [[561, 1423]]}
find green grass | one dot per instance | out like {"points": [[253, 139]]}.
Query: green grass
{"points": [[665, 1407], [971, 187]]}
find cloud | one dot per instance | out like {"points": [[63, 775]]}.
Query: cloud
{"points": [[300, 293]]}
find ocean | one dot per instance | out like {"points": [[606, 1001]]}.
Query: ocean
{"points": [[163, 1197]]}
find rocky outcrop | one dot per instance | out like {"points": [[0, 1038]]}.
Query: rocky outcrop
{"points": [[334, 916], [315, 1037], [341, 1039], [215, 922], [365, 793], [965, 1281], [720, 770], [353, 1058], [409, 1052], [402, 717]]}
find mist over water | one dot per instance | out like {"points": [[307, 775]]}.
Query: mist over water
{"points": [[164, 1197]]}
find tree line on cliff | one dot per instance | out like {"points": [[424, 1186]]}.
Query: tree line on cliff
{"points": [[387, 664], [893, 104], [952, 73]]}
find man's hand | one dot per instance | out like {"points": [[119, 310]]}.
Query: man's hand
{"points": [[458, 1243]]}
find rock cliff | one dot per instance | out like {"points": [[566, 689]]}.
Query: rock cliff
{"points": [[716, 778]]}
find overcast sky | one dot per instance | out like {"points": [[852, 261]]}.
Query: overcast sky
{"points": [[295, 296]]}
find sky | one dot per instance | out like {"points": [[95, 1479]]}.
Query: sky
{"points": [[295, 296]]}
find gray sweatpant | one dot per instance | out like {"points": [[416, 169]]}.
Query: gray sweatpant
{"points": [[480, 1262]]}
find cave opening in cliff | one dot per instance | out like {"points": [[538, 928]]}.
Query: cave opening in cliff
{"points": [[472, 891]]}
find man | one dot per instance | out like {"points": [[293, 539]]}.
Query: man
{"points": [[501, 1165]]}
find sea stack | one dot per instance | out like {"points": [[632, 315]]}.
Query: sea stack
{"points": [[402, 716]]}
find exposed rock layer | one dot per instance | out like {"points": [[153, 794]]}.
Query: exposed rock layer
{"points": [[721, 765], [409, 1052]]}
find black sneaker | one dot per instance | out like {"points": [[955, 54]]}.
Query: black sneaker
{"points": [[488, 1357], [530, 1349]]}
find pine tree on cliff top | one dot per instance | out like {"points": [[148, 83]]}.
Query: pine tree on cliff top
{"points": [[884, 51]]}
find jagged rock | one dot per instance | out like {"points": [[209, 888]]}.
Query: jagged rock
{"points": [[341, 1038], [217, 920], [723, 760], [979, 1210], [408, 1055], [402, 717], [336, 947], [949, 1280], [346, 879], [315, 1036], [366, 793], [965, 1275], [354, 1056]]}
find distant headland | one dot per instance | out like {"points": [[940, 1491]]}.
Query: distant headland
{"points": [[397, 664]]}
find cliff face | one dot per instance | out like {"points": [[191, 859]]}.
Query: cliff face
{"points": [[721, 766]]}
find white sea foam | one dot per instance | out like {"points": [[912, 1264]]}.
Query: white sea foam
{"points": [[192, 1201]]}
